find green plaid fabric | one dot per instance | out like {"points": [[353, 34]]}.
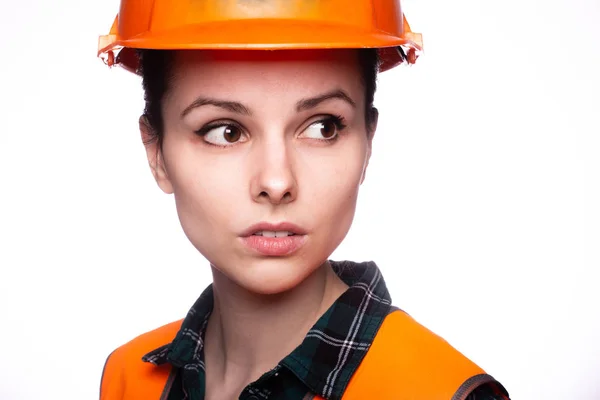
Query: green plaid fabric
{"points": [[323, 363]]}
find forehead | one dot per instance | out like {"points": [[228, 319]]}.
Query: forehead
{"points": [[273, 71]]}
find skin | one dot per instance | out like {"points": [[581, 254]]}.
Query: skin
{"points": [[282, 169]]}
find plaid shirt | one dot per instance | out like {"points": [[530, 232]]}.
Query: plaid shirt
{"points": [[323, 363]]}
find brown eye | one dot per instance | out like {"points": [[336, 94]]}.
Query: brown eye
{"points": [[232, 134], [223, 135], [326, 129]]}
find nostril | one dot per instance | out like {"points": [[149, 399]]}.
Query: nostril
{"points": [[275, 197]]}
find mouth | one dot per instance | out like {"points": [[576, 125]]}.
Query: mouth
{"points": [[274, 234], [274, 230], [277, 240]]}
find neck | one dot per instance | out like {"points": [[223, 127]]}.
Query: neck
{"points": [[248, 334]]}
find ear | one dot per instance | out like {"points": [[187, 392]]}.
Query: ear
{"points": [[155, 155], [371, 128]]}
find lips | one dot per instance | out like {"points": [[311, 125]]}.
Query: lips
{"points": [[274, 233], [275, 240], [267, 229]]}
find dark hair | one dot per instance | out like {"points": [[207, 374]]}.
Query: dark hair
{"points": [[154, 67]]}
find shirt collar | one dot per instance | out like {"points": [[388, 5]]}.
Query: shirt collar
{"points": [[331, 351], [189, 336]]}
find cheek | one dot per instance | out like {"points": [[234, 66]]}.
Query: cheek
{"points": [[207, 193], [333, 187]]}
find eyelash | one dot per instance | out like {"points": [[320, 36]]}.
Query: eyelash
{"points": [[339, 122], [218, 124]]}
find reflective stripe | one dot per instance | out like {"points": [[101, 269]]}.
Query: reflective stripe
{"points": [[169, 384], [471, 384], [102, 377]]}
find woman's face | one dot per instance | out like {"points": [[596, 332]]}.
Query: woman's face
{"points": [[262, 144]]}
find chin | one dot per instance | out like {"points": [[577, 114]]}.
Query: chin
{"points": [[274, 276]]}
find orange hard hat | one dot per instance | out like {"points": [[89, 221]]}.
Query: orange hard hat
{"points": [[260, 25]]}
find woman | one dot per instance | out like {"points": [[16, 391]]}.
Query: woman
{"points": [[264, 152]]}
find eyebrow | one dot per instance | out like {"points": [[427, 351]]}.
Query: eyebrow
{"points": [[307, 104], [232, 106], [239, 108]]}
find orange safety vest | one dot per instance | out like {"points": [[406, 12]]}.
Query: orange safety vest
{"points": [[406, 361]]}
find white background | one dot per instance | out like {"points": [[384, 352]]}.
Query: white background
{"points": [[480, 205]]}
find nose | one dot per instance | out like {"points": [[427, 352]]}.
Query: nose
{"points": [[274, 179]]}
